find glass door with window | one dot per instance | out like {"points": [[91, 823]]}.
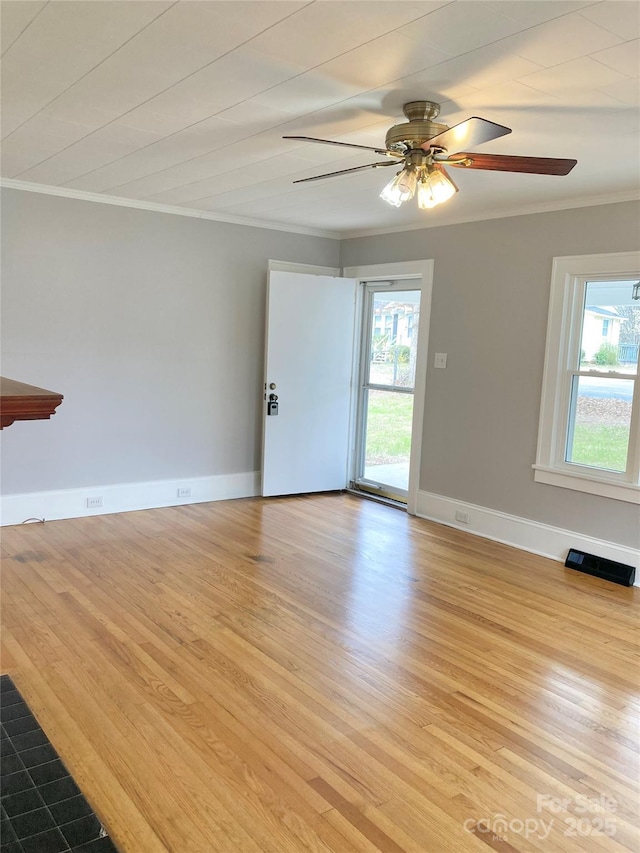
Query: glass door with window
{"points": [[387, 382]]}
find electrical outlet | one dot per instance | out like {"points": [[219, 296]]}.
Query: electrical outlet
{"points": [[184, 492], [92, 503], [462, 517]]}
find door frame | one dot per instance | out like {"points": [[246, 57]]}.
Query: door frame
{"points": [[305, 269], [398, 271]]}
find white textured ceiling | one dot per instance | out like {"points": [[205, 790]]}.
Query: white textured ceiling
{"points": [[185, 103]]}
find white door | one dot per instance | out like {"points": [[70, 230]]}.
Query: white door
{"points": [[309, 363]]}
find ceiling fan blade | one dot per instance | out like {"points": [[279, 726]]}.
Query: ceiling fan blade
{"points": [[382, 151], [508, 163], [346, 171], [473, 131]]}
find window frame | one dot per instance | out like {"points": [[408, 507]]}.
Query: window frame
{"points": [[566, 307]]}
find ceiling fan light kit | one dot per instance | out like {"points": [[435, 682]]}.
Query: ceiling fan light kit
{"points": [[435, 187], [423, 145], [401, 188], [428, 180]]}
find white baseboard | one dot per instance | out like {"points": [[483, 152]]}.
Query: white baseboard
{"points": [[523, 533], [125, 497]]}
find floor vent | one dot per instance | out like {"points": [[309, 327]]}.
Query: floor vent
{"points": [[600, 567]]}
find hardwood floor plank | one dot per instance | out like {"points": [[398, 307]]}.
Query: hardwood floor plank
{"points": [[327, 674], [356, 817]]}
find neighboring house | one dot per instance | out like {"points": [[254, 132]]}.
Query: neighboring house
{"points": [[396, 323], [601, 326]]}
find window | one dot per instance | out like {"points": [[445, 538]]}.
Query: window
{"points": [[589, 437]]}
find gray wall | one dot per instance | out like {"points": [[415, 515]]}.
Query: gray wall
{"points": [[489, 313], [151, 325]]}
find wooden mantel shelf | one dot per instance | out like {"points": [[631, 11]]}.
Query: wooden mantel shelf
{"points": [[21, 402]]}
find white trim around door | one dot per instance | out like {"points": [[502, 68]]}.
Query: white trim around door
{"points": [[304, 269], [396, 272]]}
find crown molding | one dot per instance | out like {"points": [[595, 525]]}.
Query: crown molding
{"points": [[139, 204], [173, 210], [545, 207]]}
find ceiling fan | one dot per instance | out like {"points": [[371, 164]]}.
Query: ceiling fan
{"points": [[423, 147]]}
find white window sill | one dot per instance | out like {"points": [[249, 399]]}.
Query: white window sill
{"points": [[583, 483]]}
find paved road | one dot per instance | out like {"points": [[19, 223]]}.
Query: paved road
{"points": [[616, 389]]}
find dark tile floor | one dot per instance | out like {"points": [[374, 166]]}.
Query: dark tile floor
{"points": [[42, 809]]}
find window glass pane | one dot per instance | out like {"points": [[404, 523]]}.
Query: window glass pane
{"points": [[610, 327], [394, 338], [600, 423], [388, 438]]}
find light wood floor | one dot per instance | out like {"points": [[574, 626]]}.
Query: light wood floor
{"points": [[325, 674]]}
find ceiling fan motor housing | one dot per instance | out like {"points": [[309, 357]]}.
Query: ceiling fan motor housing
{"points": [[419, 128]]}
